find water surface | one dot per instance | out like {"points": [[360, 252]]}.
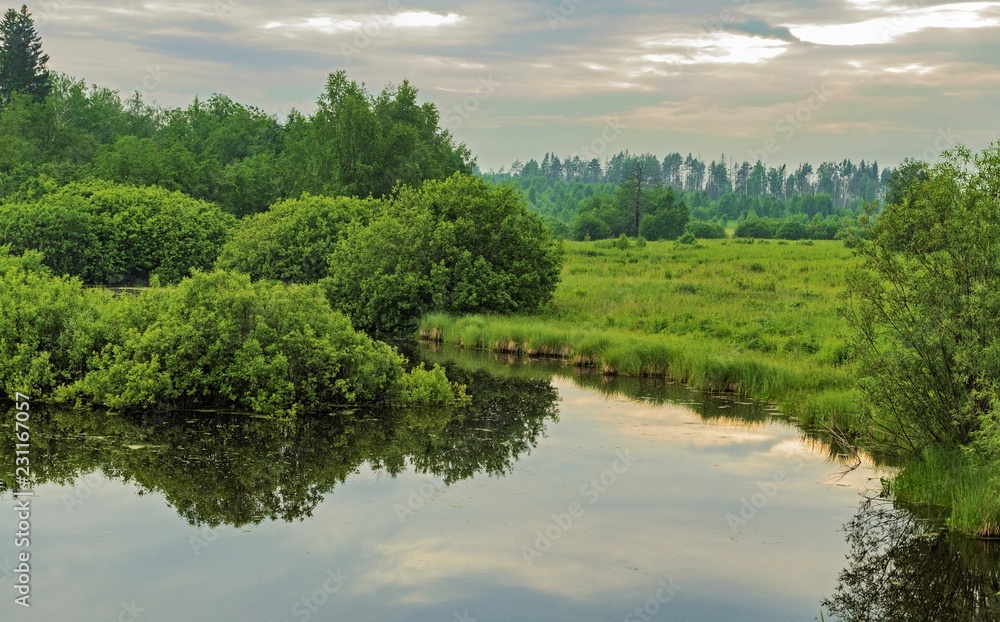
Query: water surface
{"points": [[552, 498]]}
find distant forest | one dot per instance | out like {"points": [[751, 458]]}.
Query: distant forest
{"points": [[722, 190]]}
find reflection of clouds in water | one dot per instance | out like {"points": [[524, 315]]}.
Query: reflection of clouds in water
{"points": [[662, 518]]}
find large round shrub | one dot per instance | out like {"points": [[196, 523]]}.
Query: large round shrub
{"points": [[292, 241], [460, 245], [110, 234], [761, 228], [791, 230], [706, 230]]}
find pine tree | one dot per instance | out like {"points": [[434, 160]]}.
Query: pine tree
{"points": [[22, 62]]}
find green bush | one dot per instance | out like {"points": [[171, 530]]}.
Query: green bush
{"points": [[111, 234], [218, 339], [924, 307], [706, 230], [214, 340], [588, 226], [759, 228], [293, 240], [791, 230], [460, 245]]}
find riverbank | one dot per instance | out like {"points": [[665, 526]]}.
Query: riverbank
{"points": [[759, 320]]}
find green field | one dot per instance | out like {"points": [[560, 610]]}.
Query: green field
{"points": [[760, 319]]}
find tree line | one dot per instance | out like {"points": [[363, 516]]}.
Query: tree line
{"points": [[845, 182], [237, 156]]}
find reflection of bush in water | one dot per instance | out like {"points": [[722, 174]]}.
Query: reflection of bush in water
{"points": [[901, 570], [216, 469]]}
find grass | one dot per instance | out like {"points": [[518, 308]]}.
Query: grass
{"points": [[955, 486], [757, 319]]}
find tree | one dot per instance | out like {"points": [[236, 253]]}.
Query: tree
{"points": [[924, 306], [22, 62], [667, 217]]}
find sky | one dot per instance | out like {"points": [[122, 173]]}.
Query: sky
{"points": [[782, 81]]}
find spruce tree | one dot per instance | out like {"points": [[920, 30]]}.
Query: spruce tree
{"points": [[22, 62]]}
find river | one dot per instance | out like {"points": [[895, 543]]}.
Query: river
{"points": [[556, 496]]}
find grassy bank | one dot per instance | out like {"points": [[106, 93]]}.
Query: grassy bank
{"points": [[756, 319], [759, 319]]}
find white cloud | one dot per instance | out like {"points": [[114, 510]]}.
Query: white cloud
{"points": [[914, 68], [902, 22], [331, 25], [424, 19], [724, 48]]}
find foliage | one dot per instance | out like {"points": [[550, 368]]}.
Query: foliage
{"points": [[460, 245], [705, 230], [753, 227], [589, 226], [224, 152], [924, 304], [216, 339], [111, 234], [362, 145], [22, 62], [561, 189], [791, 230], [293, 240], [219, 339], [39, 323]]}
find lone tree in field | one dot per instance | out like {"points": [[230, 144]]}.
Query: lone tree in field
{"points": [[22, 62]]}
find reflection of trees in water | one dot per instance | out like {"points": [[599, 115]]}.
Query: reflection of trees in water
{"points": [[723, 408], [217, 469], [902, 570]]}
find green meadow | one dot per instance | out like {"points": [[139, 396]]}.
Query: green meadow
{"points": [[756, 318]]}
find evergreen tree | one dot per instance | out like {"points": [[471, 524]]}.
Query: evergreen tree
{"points": [[22, 62]]}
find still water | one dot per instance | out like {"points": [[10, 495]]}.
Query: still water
{"points": [[554, 497]]}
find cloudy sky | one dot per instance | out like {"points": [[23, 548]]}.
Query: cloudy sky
{"points": [[783, 80]]}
